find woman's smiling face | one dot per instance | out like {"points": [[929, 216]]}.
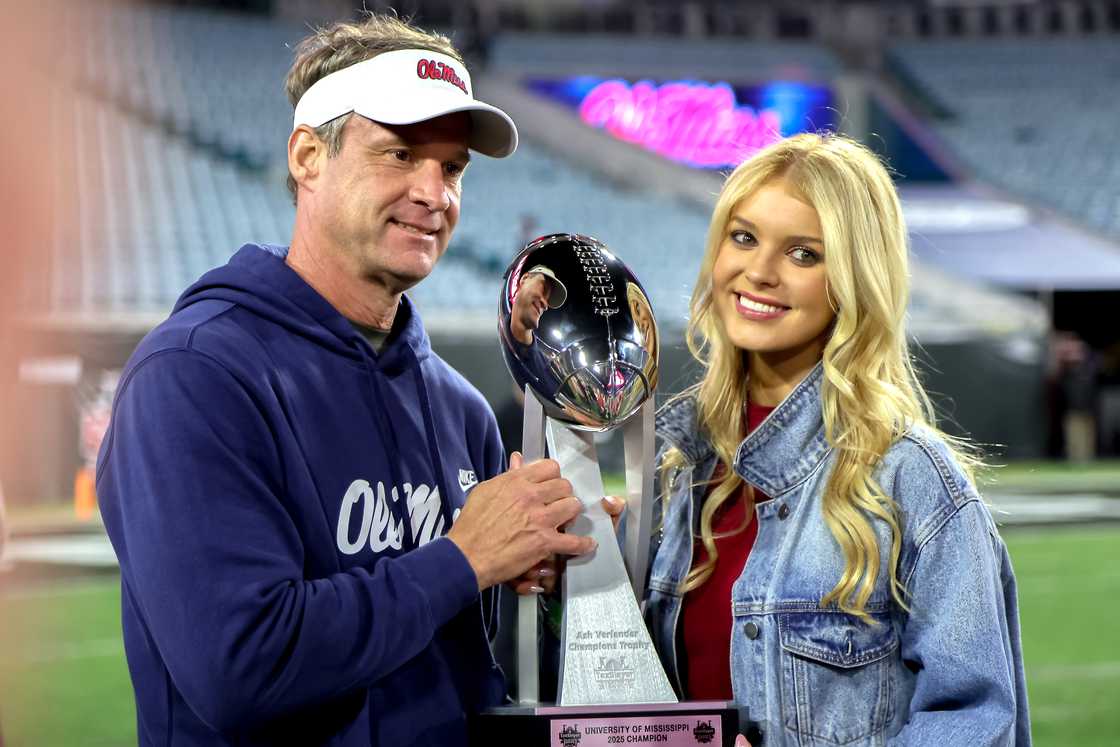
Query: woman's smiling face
{"points": [[768, 281]]}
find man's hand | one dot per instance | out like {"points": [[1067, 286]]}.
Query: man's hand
{"points": [[541, 578], [512, 522]]}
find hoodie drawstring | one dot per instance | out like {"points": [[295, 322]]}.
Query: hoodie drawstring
{"points": [[488, 611], [433, 446], [392, 449]]}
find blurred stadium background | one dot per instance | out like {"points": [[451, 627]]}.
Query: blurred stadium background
{"points": [[146, 143]]}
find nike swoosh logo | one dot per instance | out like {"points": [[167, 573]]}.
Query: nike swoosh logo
{"points": [[467, 479]]}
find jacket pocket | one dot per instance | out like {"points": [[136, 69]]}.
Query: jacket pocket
{"points": [[836, 674]]}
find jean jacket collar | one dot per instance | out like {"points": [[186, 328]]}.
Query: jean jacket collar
{"points": [[778, 455]]}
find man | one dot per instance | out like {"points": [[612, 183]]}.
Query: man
{"points": [[286, 473], [539, 289]]}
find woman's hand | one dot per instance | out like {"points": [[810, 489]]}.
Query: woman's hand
{"points": [[540, 579], [614, 506]]}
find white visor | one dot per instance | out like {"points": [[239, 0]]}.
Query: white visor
{"points": [[559, 293], [404, 87]]}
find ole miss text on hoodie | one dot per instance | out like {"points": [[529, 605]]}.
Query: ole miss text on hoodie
{"points": [[277, 494]]}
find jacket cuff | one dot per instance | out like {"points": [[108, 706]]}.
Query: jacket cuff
{"points": [[441, 569]]}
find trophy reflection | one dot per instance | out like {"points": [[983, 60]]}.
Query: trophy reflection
{"points": [[538, 289]]}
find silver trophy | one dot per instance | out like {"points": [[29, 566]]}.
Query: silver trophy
{"points": [[579, 336], [580, 339]]}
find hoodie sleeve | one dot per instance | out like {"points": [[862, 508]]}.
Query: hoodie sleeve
{"points": [[192, 491]]}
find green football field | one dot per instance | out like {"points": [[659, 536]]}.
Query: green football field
{"points": [[63, 680]]}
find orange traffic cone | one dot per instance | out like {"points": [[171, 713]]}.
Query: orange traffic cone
{"points": [[85, 494]]}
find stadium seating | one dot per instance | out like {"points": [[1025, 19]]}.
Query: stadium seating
{"points": [[145, 212], [650, 55], [213, 78], [1034, 116], [152, 211], [178, 158], [182, 160]]}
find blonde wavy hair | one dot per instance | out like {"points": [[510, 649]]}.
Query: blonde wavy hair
{"points": [[870, 393]]}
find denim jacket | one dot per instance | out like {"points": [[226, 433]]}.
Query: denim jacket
{"points": [[947, 672]]}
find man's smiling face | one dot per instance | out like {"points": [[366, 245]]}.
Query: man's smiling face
{"points": [[389, 200]]}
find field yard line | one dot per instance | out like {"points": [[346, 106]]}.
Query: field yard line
{"points": [[1080, 712], [95, 648], [1097, 670], [1035, 536], [1053, 713], [50, 590], [1051, 582]]}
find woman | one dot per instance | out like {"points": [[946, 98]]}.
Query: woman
{"points": [[816, 522]]}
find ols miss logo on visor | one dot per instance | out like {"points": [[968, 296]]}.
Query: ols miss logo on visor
{"points": [[393, 88], [433, 70]]}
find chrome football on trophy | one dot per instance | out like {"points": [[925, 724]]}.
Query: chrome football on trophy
{"points": [[579, 337], [576, 327]]}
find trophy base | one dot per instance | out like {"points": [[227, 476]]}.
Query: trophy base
{"points": [[709, 723]]}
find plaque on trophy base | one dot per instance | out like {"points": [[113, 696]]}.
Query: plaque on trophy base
{"points": [[690, 724]]}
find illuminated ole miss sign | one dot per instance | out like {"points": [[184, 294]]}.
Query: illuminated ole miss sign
{"points": [[702, 124], [693, 123]]}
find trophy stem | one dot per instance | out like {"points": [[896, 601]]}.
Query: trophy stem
{"points": [[640, 453], [606, 652], [528, 663]]}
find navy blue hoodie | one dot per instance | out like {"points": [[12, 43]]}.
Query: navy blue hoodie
{"points": [[277, 493]]}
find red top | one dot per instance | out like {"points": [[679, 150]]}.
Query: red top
{"points": [[706, 611]]}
